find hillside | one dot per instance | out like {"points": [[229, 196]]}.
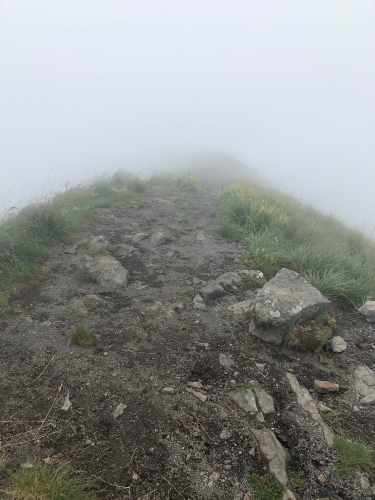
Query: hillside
{"points": [[118, 363]]}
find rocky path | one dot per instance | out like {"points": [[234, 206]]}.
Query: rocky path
{"points": [[176, 400]]}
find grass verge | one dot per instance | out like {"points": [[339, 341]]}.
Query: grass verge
{"points": [[279, 231], [40, 482]]}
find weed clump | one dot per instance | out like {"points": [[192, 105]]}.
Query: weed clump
{"points": [[266, 487], [38, 482], [83, 337]]}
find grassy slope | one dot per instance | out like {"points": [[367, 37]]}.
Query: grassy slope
{"points": [[279, 231]]}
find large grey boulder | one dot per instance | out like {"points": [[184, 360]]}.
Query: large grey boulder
{"points": [[368, 309], [107, 272], [287, 298]]}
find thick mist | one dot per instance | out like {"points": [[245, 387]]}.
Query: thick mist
{"points": [[286, 87]]}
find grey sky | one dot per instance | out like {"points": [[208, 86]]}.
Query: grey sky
{"points": [[288, 87]]}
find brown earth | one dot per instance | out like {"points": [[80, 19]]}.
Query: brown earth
{"points": [[163, 446]]}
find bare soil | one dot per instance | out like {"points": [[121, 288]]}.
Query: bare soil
{"points": [[163, 446]]}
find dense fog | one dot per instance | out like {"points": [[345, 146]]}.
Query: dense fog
{"points": [[288, 88]]}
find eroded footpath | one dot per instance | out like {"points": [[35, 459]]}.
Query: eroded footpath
{"points": [[176, 400]]}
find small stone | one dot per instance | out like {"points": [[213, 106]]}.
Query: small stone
{"points": [[364, 346], [226, 361], [246, 497], [265, 401], [195, 385], [260, 367], [338, 344], [322, 479], [197, 394], [355, 408], [245, 399], [212, 291], [201, 236], [365, 484], [323, 386], [119, 410], [323, 360], [72, 250], [368, 309], [215, 476], [367, 401], [200, 307], [241, 308], [252, 452], [168, 390], [225, 434]]}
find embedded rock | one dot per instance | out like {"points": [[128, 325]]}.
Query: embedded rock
{"points": [[226, 362], [306, 401], [97, 243], [323, 386], [212, 291], [242, 308], [139, 237], [265, 401], [285, 299], [273, 452], [158, 239], [229, 280], [126, 251], [368, 309], [245, 399], [365, 383], [107, 272]]}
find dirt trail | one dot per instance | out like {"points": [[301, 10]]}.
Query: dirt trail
{"points": [[166, 444]]}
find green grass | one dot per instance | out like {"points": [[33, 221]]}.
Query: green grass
{"points": [[83, 337], [266, 487], [249, 386], [43, 483], [353, 454], [81, 276], [279, 231], [296, 478]]}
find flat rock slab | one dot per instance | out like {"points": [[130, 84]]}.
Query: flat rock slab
{"points": [[245, 399], [212, 291], [273, 452], [265, 401], [365, 382], [307, 403], [286, 298], [105, 270]]}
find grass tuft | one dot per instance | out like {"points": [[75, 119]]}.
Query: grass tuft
{"points": [[42, 483], [266, 487], [353, 454], [83, 337], [309, 336]]}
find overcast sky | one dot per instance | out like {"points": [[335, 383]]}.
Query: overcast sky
{"points": [[287, 86]]}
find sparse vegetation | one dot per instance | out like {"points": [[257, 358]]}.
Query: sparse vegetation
{"points": [[83, 337], [353, 454], [266, 487], [296, 478], [250, 386], [44, 483], [81, 276], [279, 231]]}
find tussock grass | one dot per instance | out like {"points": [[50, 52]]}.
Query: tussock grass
{"points": [[353, 454], [42, 483], [266, 487], [83, 337], [309, 336], [279, 231]]}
